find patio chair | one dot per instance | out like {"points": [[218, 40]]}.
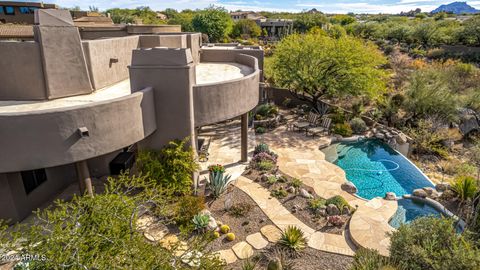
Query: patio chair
{"points": [[311, 121], [324, 127]]}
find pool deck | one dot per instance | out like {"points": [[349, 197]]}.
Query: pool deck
{"points": [[300, 157]]}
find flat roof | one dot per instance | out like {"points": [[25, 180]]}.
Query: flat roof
{"points": [[213, 72], [110, 92]]}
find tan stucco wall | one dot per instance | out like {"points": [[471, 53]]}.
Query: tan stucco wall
{"points": [[23, 204], [221, 101], [21, 74], [107, 59], [169, 41], [64, 65], [50, 137]]}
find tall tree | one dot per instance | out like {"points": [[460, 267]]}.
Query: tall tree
{"points": [[213, 21], [314, 65], [246, 28]]}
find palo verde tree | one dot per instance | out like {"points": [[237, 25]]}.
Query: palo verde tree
{"points": [[213, 21], [313, 66]]}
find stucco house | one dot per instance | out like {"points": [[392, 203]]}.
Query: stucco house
{"points": [[70, 106]]}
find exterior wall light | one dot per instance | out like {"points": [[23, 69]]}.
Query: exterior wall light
{"points": [[83, 132]]}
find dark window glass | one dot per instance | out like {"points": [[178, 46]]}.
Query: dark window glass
{"points": [[9, 10], [32, 9], [24, 10], [33, 179], [1, 10]]}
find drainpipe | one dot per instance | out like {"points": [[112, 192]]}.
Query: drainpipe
{"points": [[244, 139], [84, 179]]}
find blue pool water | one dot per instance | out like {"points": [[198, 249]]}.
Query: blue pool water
{"points": [[408, 210], [375, 168]]}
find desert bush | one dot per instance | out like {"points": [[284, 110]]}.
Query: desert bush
{"points": [[260, 130], [265, 165], [293, 239], [427, 140], [343, 129], [432, 243], [369, 259], [264, 156], [267, 110], [261, 148], [172, 167], [338, 201], [358, 125], [296, 183], [187, 207], [279, 193], [465, 187], [272, 180], [240, 209], [316, 203]]}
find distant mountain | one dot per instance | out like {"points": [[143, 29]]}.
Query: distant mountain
{"points": [[456, 8]]}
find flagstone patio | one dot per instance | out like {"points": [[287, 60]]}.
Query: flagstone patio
{"points": [[300, 157]]}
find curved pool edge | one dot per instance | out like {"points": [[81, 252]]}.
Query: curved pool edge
{"points": [[369, 227]]}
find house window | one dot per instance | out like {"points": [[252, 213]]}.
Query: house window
{"points": [[1, 10], [24, 10], [9, 10], [33, 179]]}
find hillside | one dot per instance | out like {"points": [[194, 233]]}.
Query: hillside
{"points": [[456, 8]]}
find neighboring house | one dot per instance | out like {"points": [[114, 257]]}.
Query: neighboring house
{"points": [[161, 16], [276, 28], [72, 109], [20, 12], [246, 15]]}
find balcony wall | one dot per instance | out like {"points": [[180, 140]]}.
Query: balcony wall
{"points": [[48, 138], [217, 102], [21, 73]]}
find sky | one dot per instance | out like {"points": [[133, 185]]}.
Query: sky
{"points": [[326, 6]]}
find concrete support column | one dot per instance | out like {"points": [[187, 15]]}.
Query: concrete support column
{"points": [[244, 146], [84, 179]]}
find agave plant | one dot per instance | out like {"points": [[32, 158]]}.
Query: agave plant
{"points": [[218, 183], [465, 187], [261, 148], [293, 239], [201, 221]]}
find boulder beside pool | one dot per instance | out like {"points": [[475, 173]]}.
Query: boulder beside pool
{"points": [[390, 196], [419, 192], [349, 187]]}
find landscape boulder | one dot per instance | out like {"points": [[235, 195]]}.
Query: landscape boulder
{"points": [[305, 194], [401, 138], [442, 187], [333, 210], [419, 192], [390, 196], [349, 187]]}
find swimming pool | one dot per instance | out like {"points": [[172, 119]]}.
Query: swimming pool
{"points": [[408, 210], [375, 168]]}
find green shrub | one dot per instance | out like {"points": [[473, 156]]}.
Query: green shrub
{"points": [[240, 209], [343, 129], [432, 243], [465, 187], [315, 204], [296, 183], [267, 110], [265, 165], [187, 207], [293, 239], [260, 130], [338, 201], [272, 180], [358, 125], [338, 117], [172, 167], [369, 259], [279, 193], [201, 221]]}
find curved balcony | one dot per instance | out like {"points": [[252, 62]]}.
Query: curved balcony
{"points": [[40, 134], [225, 90]]}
